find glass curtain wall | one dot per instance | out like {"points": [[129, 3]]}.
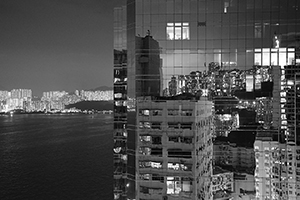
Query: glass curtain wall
{"points": [[186, 46], [120, 99]]}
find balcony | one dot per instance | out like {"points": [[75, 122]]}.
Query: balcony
{"points": [[154, 132], [180, 196], [180, 132], [149, 157], [151, 184], [180, 145], [164, 172], [150, 141], [182, 160]]}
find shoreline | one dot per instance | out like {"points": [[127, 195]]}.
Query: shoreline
{"points": [[57, 113]]}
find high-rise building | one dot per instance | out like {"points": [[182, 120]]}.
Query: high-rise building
{"points": [[278, 151], [21, 94], [235, 151], [4, 95], [53, 95], [174, 149], [158, 41]]}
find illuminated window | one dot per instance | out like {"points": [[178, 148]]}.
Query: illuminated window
{"points": [[145, 176], [117, 80], [150, 164], [145, 150], [186, 112], [118, 95], [177, 185], [178, 31], [145, 138], [144, 112]]}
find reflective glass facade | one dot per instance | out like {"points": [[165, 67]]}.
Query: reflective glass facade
{"points": [[164, 48]]}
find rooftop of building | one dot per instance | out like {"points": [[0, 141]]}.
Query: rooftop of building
{"points": [[243, 137], [271, 135], [264, 136]]}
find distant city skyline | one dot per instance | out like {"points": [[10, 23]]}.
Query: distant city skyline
{"points": [[101, 88], [56, 45], [51, 100]]}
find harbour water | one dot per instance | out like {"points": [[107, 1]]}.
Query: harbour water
{"points": [[56, 157]]}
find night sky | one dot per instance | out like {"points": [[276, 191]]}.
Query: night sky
{"points": [[56, 44]]}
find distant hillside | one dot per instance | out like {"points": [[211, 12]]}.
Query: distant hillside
{"points": [[92, 105], [102, 88]]}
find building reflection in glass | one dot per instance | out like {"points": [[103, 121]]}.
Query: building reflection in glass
{"points": [[242, 55]]}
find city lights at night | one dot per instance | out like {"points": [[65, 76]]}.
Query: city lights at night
{"points": [[198, 99], [213, 94]]}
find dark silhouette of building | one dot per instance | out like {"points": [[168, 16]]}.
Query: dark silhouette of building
{"points": [[148, 64]]}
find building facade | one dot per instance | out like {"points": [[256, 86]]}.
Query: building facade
{"points": [[233, 155], [174, 149], [157, 42], [277, 151]]}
